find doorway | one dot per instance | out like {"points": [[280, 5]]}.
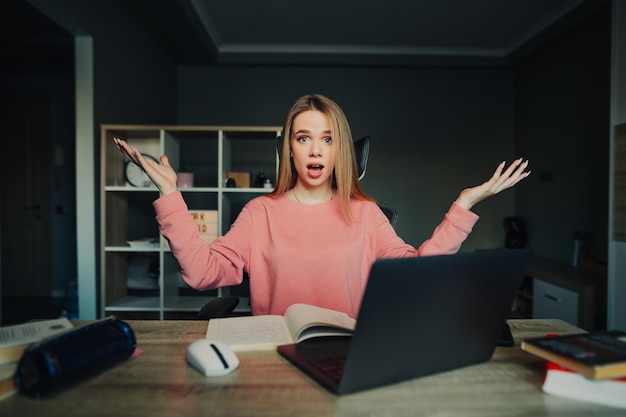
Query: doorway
{"points": [[26, 215], [37, 176]]}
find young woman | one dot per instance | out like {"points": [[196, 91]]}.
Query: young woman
{"points": [[314, 239]]}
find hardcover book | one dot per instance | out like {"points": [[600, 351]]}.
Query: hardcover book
{"points": [[562, 382], [597, 355], [7, 380]]}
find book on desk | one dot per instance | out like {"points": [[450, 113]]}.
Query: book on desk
{"points": [[15, 339], [563, 382], [587, 367], [597, 355], [300, 322]]}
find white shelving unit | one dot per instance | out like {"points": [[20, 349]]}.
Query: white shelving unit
{"points": [[126, 212]]}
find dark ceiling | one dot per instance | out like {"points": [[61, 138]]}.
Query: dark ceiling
{"points": [[350, 32], [325, 32]]}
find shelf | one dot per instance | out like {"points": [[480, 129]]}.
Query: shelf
{"points": [[186, 303], [154, 249], [134, 303], [125, 188], [199, 190], [248, 190], [126, 211]]}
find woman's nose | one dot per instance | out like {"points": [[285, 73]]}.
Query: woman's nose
{"points": [[316, 148]]}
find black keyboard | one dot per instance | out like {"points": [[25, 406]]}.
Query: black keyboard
{"points": [[331, 366]]}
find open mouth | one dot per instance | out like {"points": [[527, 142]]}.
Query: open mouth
{"points": [[315, 170], [315, 167]]}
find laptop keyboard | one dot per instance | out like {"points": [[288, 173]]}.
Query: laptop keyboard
{"points": [[331, 366]]}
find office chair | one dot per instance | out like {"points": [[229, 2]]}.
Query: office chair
{"points": [[362, 151], [218, 307], [389, 211], [224, 306]]}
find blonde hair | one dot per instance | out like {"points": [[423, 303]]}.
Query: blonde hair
{"points": [[345, 179]]}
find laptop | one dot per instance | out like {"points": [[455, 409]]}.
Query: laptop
{"points": [[419, 316]]}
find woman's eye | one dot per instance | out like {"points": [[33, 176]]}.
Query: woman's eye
{"points": [[328, 140], [302, 139]]}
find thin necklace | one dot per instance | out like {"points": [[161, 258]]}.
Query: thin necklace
{"points": [[300, 202]]}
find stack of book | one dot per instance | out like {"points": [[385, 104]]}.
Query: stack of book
{"points": [[15, 339], [585, 367]]}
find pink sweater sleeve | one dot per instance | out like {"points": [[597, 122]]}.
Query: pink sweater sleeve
{"points": [[451, 233], [201, 266], [446, 239]]}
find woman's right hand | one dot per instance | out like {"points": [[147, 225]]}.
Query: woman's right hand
{"points": [[162, 175]]}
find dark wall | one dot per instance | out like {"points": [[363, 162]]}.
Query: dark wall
{"points": [[434, 131], [562, 124], [134, 78]]}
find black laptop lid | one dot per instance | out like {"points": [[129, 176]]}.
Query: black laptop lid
{"points": [[431, 314]]}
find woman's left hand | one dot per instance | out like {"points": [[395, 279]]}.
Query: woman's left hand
{"points": [[500, 181]]}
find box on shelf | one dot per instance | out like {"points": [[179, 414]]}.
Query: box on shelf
{"points": [[207, 223], [242, 179]]}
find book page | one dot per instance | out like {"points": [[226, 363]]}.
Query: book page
{"points": [[32, 332], [306, 321], [250, 332], [321, 331]]}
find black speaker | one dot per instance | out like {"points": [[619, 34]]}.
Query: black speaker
{"points": [[62, 361], [516, 237]]}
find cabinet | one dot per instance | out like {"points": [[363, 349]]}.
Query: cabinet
{"points": [[576, 295], [552, 301], [139, 276]]}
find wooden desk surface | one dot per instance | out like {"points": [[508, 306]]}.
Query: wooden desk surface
{"points": [[159, 382]]}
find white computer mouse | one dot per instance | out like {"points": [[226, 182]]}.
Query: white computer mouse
{"points": [[211, 357]]}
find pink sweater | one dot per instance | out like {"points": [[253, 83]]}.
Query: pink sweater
{"points": [[297, 253]]}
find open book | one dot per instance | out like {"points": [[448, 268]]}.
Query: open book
{"points": [[16, 338], [300, 322]]}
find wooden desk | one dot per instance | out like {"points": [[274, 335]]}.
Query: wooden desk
{"points": [[159, 383]]}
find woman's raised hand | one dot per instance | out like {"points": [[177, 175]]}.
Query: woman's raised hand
{"points": [[500, 180], [162, 175]]}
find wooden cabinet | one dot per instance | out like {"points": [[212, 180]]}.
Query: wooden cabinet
{"points": [[576, 295], [139, 276]]}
